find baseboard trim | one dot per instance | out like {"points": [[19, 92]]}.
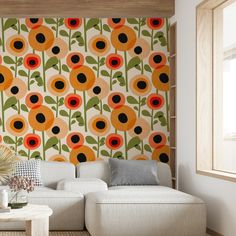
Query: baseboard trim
{"points": [[213, 233]]}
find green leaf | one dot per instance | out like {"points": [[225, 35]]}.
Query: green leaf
{"points": [[106, 108], [133, 62], [51, 62], [91, 23], [64, 33], [132, 21], [118, 155], [23, 153], [8, 60], [65, 68], [24, 108], [36, 155], [146, 113], [23, 73], [8, 140], [133, 142], [147, 68], [90, 140], [77, 114], [132, 100], [9, 23], [147, 148], [64, 113], [106, 28], [65, 148], [24, 28], [146, 33], [50, 100], [92, 102], [105, 73], [9, 103], [76, 34], [35, 74], [105, 153], [159, 114], [50, 143], [50, 21], [91, 60], [117, 74]]}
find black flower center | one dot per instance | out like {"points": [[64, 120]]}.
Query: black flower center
{"points": [[155, 102], [123, 38], [157, 138], [40, 117], [56, 130], [122, 117], [32, 142], [73, 102], [156, 22], [2, 79], [75, 138], [114, 142], [164, 78], [100, 44], [81, 77], [18, 45], [34, 20], [40, 38], [32, 62], [116, 98], [73, 22], [138, 130], [100, 124], [114, 62], [59, 84], [138, 50], [14, 90], [81, 157], [75, 58], [157, 58], [141, 84], [164, 157], [55, 50], [97, 90], [34, 98], [18, 124], [116, 20]]}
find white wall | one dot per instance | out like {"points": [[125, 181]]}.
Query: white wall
{"points": [[219, 195]]}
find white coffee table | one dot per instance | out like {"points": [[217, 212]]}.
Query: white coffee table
{"points": [[36, 218]]}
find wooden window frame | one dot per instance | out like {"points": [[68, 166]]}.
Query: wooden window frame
{"points": [[207, 70]]}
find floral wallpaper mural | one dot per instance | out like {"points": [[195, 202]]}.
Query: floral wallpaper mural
{"points": [[85, 89]]}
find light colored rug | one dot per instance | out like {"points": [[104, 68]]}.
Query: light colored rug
{"points": [[73, 233]]}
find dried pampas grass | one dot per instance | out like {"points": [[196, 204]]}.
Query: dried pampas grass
{"points": [[7, 161]]}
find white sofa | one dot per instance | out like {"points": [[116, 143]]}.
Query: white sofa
{"points": [[115, 211]]}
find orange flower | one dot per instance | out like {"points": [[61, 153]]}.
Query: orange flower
{"points": [[99, 45], [17, 45], [162, 154], [157, 140], [33, 100], [115, 22], [75, 140], [6, 78], [73, 23], [116, 100], [157, 60], [17, 125], [33, 23], [160, 78], [58, 158], [99, 125], [75, 60]]}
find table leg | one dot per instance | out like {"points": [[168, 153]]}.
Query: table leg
{"points": [[39, 227]]}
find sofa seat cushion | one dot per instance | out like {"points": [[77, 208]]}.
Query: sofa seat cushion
{"points": [[144, 210]]}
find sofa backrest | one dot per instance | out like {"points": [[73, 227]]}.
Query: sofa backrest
{"points": [[52, 172], [100, 170]]}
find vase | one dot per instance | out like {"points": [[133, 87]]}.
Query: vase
{"points": [[18, 200]]}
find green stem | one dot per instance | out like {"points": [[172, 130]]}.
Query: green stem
{"points": [[59, 64], [18, 102], [126, 145], [111, 80], [126, 72], [85, 112], [139, 27], [142, 149], [59, 144], [74, 91], [69, 40], [57, 105], [16, 67], [3, 115], [43, 143], [98, 149], [85, 36], [167, 34], [18, 21], [16, 140], [167, 111], [101, 107], [139, 106], [70, 120], [29, 80], [100, 26], [152, 40], [115, 131], [57, 27], [142, 67], [111, 153], [156, 91], [152, 119], [3, 36], [98, 67], [44, 76], [28, 154]]}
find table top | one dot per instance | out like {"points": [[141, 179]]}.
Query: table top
{"points": [[29, 212]]}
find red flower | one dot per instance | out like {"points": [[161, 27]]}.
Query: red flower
{"points": [[114, 141], [32, 61], [73, 23], [155, 101], [73, 101], [32, 141], [75, 60], [116, 100], [34, 100], [114, 61], [33, 23], [157, 140], [75, 140], [155, 23]]}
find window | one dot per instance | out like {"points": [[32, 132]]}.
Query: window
{"points": [[216, 88]]}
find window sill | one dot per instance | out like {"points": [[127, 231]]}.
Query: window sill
{"points": [[218, 174]]}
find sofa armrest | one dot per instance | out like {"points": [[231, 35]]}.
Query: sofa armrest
{"points": [[82, 185]]}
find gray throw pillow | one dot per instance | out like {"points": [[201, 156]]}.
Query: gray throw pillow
{"points": [[133, 172]]}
